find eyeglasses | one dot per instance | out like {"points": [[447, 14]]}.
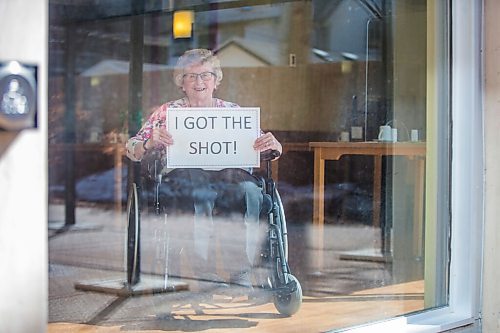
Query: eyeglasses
{"points": [[205, 76]]}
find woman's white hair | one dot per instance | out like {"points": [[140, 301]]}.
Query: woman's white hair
{"points": [[194, 57]]}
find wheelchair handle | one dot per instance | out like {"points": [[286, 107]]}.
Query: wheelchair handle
{"points": [[269, 155]]}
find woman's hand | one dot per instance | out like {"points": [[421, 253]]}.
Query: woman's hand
{"points": [[266, 142], [159, 137]]}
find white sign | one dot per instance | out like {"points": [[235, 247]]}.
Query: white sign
{"points": [[213, 138]]}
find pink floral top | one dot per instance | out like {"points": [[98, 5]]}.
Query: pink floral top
{"points": [[159, 116]]}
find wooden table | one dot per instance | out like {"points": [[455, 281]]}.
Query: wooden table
{"points": [[324, 151]]}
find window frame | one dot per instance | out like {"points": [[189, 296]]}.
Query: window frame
{"points": [[467, 184]]}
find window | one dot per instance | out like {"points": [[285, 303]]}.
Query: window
{"points": [[361, 95]]}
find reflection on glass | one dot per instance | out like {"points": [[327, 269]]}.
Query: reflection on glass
{"points": [[340, 84]]}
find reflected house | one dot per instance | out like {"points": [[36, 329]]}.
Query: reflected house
{"points": [[114, 67], [245, 52]]}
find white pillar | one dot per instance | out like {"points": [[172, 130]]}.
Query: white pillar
{"points": [[23, 179]]}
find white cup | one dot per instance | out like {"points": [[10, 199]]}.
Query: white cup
{"points": [[344, 136], [414, 135], [394, 135], [385, 133]]}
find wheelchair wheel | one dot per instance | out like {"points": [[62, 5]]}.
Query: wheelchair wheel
{"points": [[288, 303], [281, 221]]}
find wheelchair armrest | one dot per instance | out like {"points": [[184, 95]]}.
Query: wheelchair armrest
{"points": [[269, 155]]}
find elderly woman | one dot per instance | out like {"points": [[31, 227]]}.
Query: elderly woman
{"points": [[198, 74]]}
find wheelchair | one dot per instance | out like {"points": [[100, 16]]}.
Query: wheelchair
{"points": [[280, 284]]}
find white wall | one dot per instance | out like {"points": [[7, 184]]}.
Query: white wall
{"points": [[491, 272], [23, 179]]}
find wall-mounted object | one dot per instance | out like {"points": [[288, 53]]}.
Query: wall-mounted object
{"points": [[18, 98], [183, 24]]}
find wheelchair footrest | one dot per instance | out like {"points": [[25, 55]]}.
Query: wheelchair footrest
{"points": [[286, 289]]}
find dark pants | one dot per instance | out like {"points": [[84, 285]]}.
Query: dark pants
{"points": [[226, 205]]}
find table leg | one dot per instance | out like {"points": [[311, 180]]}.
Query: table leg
{"points": [[377, 189], [319, 206], [418, 207]]}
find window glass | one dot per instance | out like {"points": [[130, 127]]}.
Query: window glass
{"points": [[351, 227]]}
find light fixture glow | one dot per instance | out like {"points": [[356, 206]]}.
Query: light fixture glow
{"points": [[183, 24]]}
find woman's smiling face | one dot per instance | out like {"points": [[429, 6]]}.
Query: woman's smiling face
{"points": [[199, 88]]}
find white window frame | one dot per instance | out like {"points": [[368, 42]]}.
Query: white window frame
{"points": [[467, 185]]}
